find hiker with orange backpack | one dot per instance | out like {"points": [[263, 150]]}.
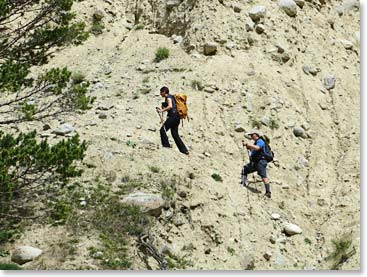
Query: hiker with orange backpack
{"points": [[172, 122]]}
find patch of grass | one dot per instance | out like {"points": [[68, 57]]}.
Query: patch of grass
{"points": [[307, 241], [154, 169], [217, 177], [197, 85], [131, 143], [97, 27], [5, 235], [10, 267], [4, 253], [341, 251], [129, 185], [256, 124], [176, 262], [61, 211], [231, 251], [273, 124], [139, 26], [161, 54]]}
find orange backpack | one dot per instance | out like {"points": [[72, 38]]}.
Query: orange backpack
{"points": [[181, 105]]}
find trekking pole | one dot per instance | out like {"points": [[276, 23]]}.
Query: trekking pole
{"points": [[160, 117]]}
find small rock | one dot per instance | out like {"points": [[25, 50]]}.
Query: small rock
{"points": [[272, 239], [150, 203], [275, 216], [173, 3], [46, 127], [291, 229], [207, 154], [347, 44], [97, 255], [239, 128], [98, 15], [299, 132], [249, 26], [260, 28], [230, 45], [300, 3], [289, 7], [102, 116], [63, 129], [24, 254], [210, 48], [257, 12], [177, 39], [152, 129], [83, 203], [268, 255], [45, 135], [265, 121], [329, 81], [248, 262], [207, 251], [321, 202], [280, 48], [237, 8], [182, 194]]}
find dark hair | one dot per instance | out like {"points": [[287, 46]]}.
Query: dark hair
{"points": [[164, 89]]}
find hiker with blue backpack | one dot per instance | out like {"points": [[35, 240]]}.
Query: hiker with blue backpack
{"points": [[259, 156], [172, 122]]}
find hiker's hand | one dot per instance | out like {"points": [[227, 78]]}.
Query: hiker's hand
{"points": [[159, 110]]}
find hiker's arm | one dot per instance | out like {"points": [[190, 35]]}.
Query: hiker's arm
{"points": [[169, 106], [252, 147]]}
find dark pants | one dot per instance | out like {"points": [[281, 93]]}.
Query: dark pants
{"points": [[172, 123]]}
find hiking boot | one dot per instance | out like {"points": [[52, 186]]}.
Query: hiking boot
{"points": [[268, 194]]}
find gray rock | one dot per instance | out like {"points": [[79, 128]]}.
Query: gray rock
{"points": [[45, 135], [267, 255], [272, 239], [260, 28], [289, 7], [237, 8], [275, 216], [102, 116], [152, 129], [329, 81], [97, 255], [350, 5], [239, 128], [249, 26], [46, 127], [291, 229], [247, 262], [173, 3], [280, 48], [106, 106], [347, 44], [210, 48], [63, 130], [98, 15], [265, 120], [257, 12], [177, 39], [149, 203], [231, 45], [310, 69], [300, 3], [299, 132], [24, 254]]}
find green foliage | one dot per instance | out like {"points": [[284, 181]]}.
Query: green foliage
{"points": [[131, 143], [176, 262], [29, 110], [307, 241], [341, 251], [273, 124], [256, 124], [139, 27], [154, 169], [9, 266], [231, 251], [217, 177], [97, 27], [77, 77], [161, 54], [61, 211], [25, 162], [4, 253]]}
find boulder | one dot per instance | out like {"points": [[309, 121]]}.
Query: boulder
{"points": [[24, 254], [289, 7], [257, 12], [63, 129], [149, 203], [329, 81], [299, 132], [291, 229], [210, 48]]}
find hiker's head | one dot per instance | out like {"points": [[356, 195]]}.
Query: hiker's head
{"points": [[254, 134], [164, 91]]}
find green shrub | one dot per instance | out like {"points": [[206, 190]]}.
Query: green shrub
{"points": [[77, 77], [273, 124], [154, 169], [139, 26], [341, 251], [61, 211], [307, 241], [97, 27], [131, 143], [9, 267], [256, 124], [217, 177], [161, 54]]}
